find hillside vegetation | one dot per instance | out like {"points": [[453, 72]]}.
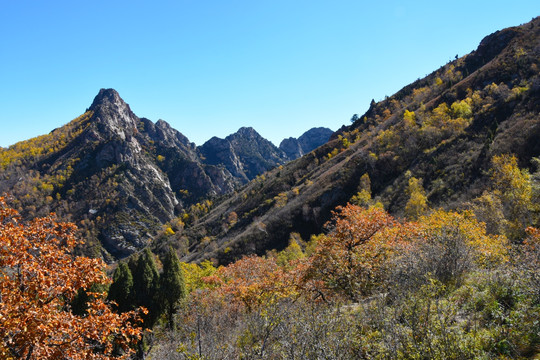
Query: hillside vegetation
{"points": [[414, 233], [441, 286], [443, 130]]}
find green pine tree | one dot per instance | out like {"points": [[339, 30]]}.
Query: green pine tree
{"points": [[121, 290], [146, 285], [172, 286]]}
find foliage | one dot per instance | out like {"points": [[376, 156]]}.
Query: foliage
{"points": [[372, 287], [172, 286], [351, 260], [31, 150], [146, 285], [253, 281], [194, 274], [510, 204], [448, 246], [513, 186], [363, 197], [417, 203], [287, 256], [39, 277], [121, 289]]}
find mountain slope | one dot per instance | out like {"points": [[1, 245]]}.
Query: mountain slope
{"points": [[120, 177], [443, 129], [102, 174]]}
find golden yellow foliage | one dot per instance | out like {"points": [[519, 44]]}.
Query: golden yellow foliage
{"points": [[417, 203], [442, 225]]}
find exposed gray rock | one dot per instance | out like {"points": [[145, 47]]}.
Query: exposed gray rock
{"points": [[127, 176], [245, 154], [309, 141]]}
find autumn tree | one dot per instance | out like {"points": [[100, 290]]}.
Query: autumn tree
{"points": [[39, 278], [448, 245], [417, 203], [195, 273], [363, 197], [513, 186], [290, 253], [351, 259], [252, 282]]}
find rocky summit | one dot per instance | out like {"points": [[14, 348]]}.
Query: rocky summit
{"points": [[121, 177], [308, 141]]}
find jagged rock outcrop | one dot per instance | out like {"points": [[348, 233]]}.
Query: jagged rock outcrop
{"points": [[121, 177], [245, 154], [308, 141]]}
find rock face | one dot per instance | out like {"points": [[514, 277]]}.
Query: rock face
{"points": [[127, 170], [120, 177], [245, 154], [309, 141], [157, 163]]}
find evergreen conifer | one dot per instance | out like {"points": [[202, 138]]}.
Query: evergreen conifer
{"points": [[172, 286], [145, 286], [121, 290]]}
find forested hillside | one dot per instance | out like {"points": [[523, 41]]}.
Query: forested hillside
{"points": [[437, 135], [414, 233], [432, 252]]}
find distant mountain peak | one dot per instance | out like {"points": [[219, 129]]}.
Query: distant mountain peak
{"points": [[247, 131], [310, 140]]}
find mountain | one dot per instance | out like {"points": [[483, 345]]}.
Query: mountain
{"points": [[128, 182], [308, 141], [120, 177], [113, 173], [443, 130], [245, 154]]}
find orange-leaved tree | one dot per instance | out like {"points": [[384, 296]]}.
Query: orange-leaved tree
{"points": [[254, 281], [352, 258], [39, 278]]}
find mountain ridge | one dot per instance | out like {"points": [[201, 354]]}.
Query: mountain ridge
{"points": [[128, 182], [443, 129], [120, 177], [308, 141]]}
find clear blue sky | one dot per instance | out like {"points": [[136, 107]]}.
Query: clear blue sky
{"points": [[209, 67]]}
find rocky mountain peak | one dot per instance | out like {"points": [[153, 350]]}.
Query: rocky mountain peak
{"points": [[246, 132], [112, 116], [310, 140], [107, 97]]}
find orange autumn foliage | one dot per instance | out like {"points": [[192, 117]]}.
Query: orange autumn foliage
{"points": [[39, 278], [351, 259], [531, 248], [253, 281], [533, 235]]}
